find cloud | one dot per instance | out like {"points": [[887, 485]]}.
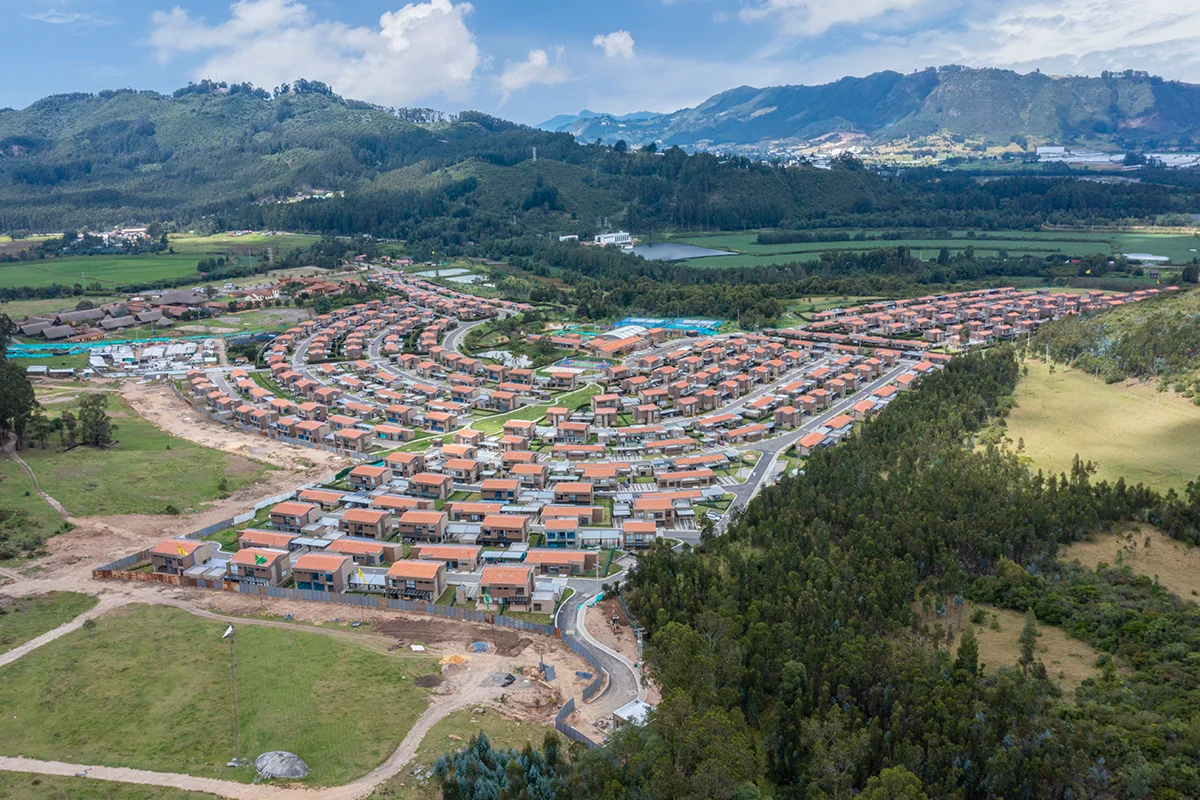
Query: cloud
{"points": [[814, 17], [537, 68], [56, 17], [419, 50], [618, 44]]}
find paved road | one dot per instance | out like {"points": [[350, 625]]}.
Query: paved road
{"points": [[624, 683]]}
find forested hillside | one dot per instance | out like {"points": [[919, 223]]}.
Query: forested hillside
{"points": [[216, 157], [792, 660], [1156, 340]]}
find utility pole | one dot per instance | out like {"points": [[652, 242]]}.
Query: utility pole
{"points": [[237, 725]]}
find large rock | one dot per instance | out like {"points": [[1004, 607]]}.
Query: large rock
{"points": [[278, 764]]}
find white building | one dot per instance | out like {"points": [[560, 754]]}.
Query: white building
{"points": [[618, 238]]}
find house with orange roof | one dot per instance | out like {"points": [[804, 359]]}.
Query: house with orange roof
{"points": [[366, 553], [638, 534], [292, 515], [176, 556], [809, 442], [430, 484], [259, 566], [501, 530], [270, 540], [365, 476], [462, 558], [507, 585], [369, 523], [558, 561], [416, 580], [425, 526], [322, 572]]}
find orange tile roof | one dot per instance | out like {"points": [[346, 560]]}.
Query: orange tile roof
{"points": [[505, 575], [249, 556], [320, 562], [422, 570]]}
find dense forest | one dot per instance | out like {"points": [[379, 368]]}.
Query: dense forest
{"points": [[794, 665]]}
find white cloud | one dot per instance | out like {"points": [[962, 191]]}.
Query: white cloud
{"points": [[618, 44], [537, 69], [420, 50], [56, 17], [814, 17]]}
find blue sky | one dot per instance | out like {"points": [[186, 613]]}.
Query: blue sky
{"points": [[530, 59]]}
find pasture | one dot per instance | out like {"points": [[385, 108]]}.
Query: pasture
{"points": [[26, 786], [1122, 428], [149, 688], [146, 471], [749, 253], [1146, 551]]}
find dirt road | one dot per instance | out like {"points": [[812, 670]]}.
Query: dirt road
{"points": [[158, 404]]}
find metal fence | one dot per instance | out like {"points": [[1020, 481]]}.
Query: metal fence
{"points": [[574, 734], [586, 653]]}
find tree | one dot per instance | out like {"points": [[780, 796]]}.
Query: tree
{"points": [[1190, 274], [1028, 641], [621, 146], [17, 400], [967, 659], [95, 428], [69, 429], [321, 305], [894, 783]]}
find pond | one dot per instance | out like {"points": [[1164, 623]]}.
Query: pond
{"points": [[672, 251]]}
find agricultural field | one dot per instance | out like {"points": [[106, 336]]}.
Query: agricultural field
{"points": [[26, 618], [149, 688], [455, 731], [1128, 430], [1146, 551], [1068, 661], [25, 786], [1179, 247], [112, 271], [146, 471]]}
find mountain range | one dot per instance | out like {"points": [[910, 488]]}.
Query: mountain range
{"points": [[997, 106]]}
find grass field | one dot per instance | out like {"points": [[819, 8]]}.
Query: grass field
{"points": [[149, 688], [118, 270], [1119, 427], [26, 520], [1068, 661], [1147, 551], [451, 733], [1181, 248], [146, 470], [29, 617], [495, 424], [24, 786], [110, 271]]}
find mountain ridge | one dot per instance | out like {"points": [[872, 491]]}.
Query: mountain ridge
{"points": [[998, 106]]}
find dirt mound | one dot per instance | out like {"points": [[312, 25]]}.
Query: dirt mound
{"points": [[515, 647], [429, 681]]}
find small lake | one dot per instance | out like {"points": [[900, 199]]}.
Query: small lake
{"points": [[671, 251]]}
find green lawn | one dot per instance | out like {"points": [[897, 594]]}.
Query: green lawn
{"points": [[147, 470], [197, 247], [26, 786], [1119, 427], [27, 618], [495, 424], [150, 689], [451, 733]]}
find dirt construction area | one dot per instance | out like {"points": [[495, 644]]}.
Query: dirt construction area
{"points": [[158, 404]]}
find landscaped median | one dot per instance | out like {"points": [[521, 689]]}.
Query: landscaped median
{"points": [[149, 688]]}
